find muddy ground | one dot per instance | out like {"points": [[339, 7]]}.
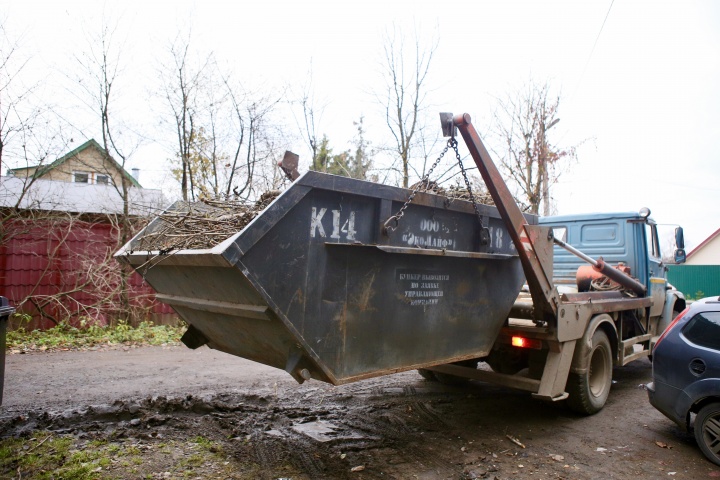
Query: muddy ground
{"points": [[259, 423]]}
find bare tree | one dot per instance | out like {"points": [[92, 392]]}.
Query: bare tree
{"points": [[522, 122], [182, 80], [312, 111], [254, 141], [79, 257], [73, 248], [98, 81], [30, 131], [223, 131], [31, 136], [100, 76], [405, 71]]}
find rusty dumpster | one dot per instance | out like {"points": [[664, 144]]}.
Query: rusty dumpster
{"points": [[316, 285]]}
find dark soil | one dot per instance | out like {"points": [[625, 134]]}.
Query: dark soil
{"points": [[264, 425]]}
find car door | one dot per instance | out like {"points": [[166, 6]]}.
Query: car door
{"points": [[698, 358]]}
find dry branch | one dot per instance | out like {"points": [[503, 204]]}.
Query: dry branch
{"points": [[454, 192], [200, 225]]}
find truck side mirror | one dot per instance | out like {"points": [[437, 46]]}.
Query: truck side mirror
{"points": [[679, 256], [679, 238]]}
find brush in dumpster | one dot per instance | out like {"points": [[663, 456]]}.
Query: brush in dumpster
{"points": [[453, 192], [202, 224], [315, 285]]}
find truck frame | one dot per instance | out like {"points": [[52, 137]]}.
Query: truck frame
{"points": [[565, 344]]}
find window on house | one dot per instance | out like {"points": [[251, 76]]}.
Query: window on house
{"points": [[81, 177], [101, 179]]}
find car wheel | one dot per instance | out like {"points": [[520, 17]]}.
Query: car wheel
{"points": [[707, 431], [589, 391]]}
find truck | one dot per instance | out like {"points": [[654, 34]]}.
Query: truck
{"points": [[340, 280], [618, 329]]}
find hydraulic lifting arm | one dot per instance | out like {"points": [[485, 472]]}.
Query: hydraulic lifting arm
{"points": [[527, 239]]}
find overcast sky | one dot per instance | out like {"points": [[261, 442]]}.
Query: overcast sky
{"points": [[643, 87]]}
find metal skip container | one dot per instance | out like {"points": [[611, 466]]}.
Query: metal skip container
{"points": [[316, 285]]}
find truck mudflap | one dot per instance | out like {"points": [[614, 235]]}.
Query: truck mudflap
{"points": [[316, 286]]}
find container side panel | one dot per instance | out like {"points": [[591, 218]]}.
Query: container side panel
{"points": [[307, 287], [206, 283], [264, 341], [363, 312]]}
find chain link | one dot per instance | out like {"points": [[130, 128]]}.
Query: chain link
{"points": [[484, 232], [452, 143], [424, 181]]}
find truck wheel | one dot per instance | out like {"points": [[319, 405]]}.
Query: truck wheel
{"points": [[707, 431], [507, 360], [589, 391], [428, 375]]}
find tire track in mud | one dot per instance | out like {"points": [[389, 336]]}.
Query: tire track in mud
{"points": [[265, 451], [423, 409], [272, 453], [305, 459], [394, 418]]}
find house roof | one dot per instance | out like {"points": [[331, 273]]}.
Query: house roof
{"points": [[43, 169], [704, 243], [52, 195]]}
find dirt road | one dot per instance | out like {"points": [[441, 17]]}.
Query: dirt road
{"points": [[265, 425]]}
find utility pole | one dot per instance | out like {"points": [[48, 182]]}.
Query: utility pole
{"points": [[544, 165]]}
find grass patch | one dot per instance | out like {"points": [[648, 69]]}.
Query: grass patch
{"points": [[49, 455], [65, 336], [46, 455]]}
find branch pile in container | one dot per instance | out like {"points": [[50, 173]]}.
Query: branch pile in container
{"points": [[454, 192], [199, 225]]}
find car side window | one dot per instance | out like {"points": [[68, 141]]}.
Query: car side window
{"points": [[704, 330]]}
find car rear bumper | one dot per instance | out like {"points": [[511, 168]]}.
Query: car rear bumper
{"points": [[664, 397]]}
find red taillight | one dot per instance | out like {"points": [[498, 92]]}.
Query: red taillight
{"points": [[523, 342], [671, 326]]}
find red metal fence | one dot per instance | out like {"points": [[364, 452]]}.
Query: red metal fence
{"points": [[64, 270]]}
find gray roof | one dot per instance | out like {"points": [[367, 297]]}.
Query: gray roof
{"points": [[50, 195]]}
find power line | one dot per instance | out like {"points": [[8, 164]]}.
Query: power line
{"points": [[582, 75]]}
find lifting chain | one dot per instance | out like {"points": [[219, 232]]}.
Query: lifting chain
{"points": [[452, 143], [424, 181], [484, 231]]}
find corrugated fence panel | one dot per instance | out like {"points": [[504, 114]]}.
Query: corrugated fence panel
{"points": [[695, 280], [44, 260]]}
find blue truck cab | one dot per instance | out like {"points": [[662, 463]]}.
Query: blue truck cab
{"points": [[600, 323], [625, 239]]}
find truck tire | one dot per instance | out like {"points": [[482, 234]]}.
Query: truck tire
{"points": [[706, 430], [507, 360], [588, 391]]}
